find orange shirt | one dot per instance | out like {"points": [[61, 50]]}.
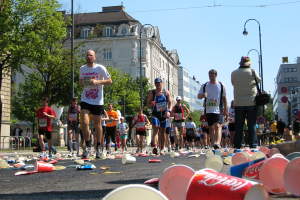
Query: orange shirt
{"points": [[112, 114]]}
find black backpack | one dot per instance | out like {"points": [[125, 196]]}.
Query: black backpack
{"points": [[221, 101]]}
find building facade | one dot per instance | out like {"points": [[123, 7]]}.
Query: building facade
{"points": [[189, 88], [114, 35], [286, 102]]}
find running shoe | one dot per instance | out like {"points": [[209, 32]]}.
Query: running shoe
{"points": [[155, 151], [217, 146]]}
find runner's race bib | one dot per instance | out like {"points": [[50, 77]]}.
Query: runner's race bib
{"points": [[73, 116], [43, 122], [161, 106], [140, 125], [178, 116], [211, 103]]}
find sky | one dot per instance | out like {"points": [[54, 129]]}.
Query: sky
{"points": [[207, 34]]}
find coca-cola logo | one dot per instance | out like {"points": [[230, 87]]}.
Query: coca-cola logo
{"points": [[214, 179], [253, 171]]}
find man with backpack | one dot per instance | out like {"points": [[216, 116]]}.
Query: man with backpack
{"points": [[178, 112], [159, 100], [215, 105]]}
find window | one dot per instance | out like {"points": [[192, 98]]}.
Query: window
{"points": [[107, 32], [124, 31], [290, 79], [107, 55], [292, 69], [86, 32]]}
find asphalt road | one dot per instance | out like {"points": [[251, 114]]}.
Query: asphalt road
{"points": [[90, 184]]}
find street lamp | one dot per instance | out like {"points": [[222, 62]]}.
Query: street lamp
{"points": [[251, 50], [72, 47], [245, 32], [153, 36]]}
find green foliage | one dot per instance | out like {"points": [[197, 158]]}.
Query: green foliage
{"points": [[124, 90]]}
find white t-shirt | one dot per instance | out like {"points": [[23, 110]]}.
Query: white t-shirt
{"points": [[213, 97], [122, 128], [190, 125], [93, 94]]}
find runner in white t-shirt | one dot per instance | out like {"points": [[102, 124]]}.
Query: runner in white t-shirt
{"points": [[215, 104], [92, 77]]}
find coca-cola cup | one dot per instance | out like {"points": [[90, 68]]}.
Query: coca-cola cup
{"points": [[252, 172], [271, 173], [209, 184], [238, 170], [292, 177], [173, 182]]}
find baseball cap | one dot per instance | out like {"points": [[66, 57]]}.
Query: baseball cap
{"points": [[178, 98], [157, 80]]}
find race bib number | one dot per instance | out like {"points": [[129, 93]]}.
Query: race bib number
{"points": [[140, 125], [43, 123], [73, 116], [161, 106], [178, 116], [211, 102]]}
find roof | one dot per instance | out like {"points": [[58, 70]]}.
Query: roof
{"points": [[103, 18]]}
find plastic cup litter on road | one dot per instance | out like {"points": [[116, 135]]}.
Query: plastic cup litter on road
{"points": [[173, 182], [209, 184], [238, 170], [128, 159], [41, 166], [214, 162], [135, 192], [292, 177]]}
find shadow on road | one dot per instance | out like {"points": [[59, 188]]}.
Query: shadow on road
{"points": [[65, 195], [131, 181]]}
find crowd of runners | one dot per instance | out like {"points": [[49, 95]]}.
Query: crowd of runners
{"points": [[94, 129]]}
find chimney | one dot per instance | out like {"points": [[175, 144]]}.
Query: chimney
{"points": [[113, 8], [285, 59]]}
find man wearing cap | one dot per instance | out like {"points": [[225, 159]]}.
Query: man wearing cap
{"points": [[215, 105], [244, 89], [159, 100], [178, 122]]}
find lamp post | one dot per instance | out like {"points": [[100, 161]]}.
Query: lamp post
{"points": [[141, 73], [258, 55], [72, 46], [245, 32]]}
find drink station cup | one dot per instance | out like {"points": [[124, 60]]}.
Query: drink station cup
{"points": [[241, 157], [173, 182], [41, 166], [271, 173], [273, 151], [135, 192], [292, 177], [209, 184], [214, 162], [128, 159], [238, 170], [264, 149]]}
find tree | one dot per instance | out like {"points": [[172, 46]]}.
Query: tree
{"points": [[124, 91]]}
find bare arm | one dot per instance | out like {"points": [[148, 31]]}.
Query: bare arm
{"points": [[101, 82], [201, 96]]}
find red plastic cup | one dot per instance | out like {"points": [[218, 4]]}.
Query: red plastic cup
{"points": [[173, 182], [252, 171], [271, 174], [273, 151], [265, 150], [241, 157], [154, 160], [210, 185], [292, 177], [41, 166]]}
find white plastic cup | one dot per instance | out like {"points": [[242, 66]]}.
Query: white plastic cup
{"points": [[214, 162], [174, 154], [128, 159], [135, 192]]}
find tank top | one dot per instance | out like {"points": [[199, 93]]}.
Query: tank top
{"points": [[161, 105]]}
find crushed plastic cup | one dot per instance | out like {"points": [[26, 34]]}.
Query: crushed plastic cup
{"points": [[209, 153], [241, 157], [273, 151], [227, 160], [173, 182], [265, 150], [41, 166], [237, 170], [292, 177], [214, 162], [25, 173], [135, 192], [174, 154], [152, 181], [86, 167], [271, 174], [79, 162], [3, 164], [293, 155], [209, 184], [258, 155], [154, 161], [128, 159]]}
